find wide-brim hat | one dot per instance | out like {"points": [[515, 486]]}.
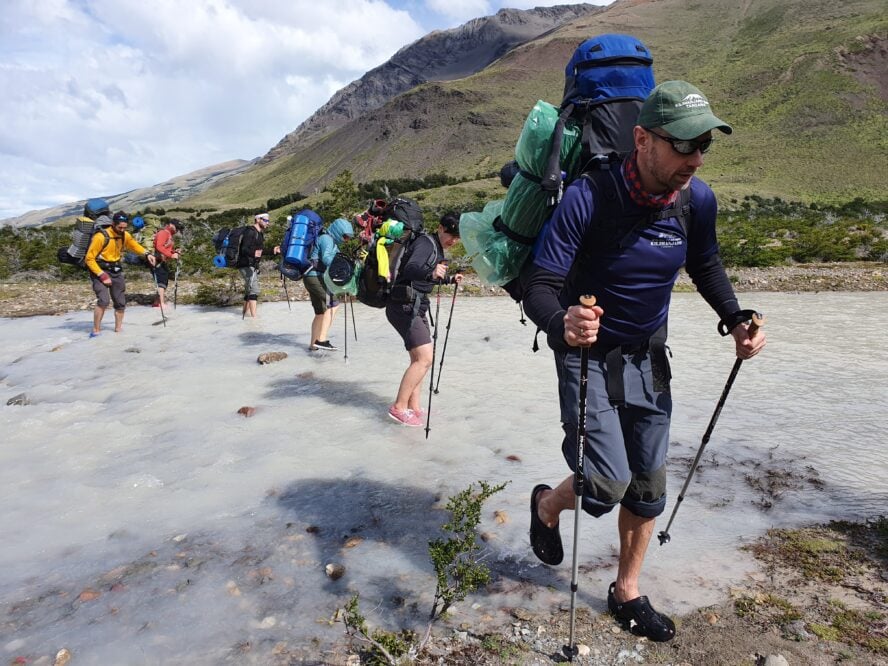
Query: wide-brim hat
{"points": [[681, 110]]}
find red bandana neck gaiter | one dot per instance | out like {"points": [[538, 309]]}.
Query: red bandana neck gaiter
{"points": [[637, 193]]}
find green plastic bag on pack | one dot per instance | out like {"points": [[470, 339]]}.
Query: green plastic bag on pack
{"points": [[495, 257]]}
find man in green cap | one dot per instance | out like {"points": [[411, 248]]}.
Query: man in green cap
{"points": [[622, 235]]}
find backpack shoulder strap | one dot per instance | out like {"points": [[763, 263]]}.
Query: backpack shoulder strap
{"points": [[611, 226], [106, 236]]}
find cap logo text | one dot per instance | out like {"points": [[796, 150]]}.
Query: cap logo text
{"points": [[693, 101]]}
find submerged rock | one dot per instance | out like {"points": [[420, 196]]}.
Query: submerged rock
{"points": [[334, 570], [20, 399], [270, 357], [62, 657], [247, 411]]}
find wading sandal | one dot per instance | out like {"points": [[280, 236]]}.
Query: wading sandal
{"points": [[638, 616], [545, 541]]}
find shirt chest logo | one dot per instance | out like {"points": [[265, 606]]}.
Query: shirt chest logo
{"points": [[666, 239]]}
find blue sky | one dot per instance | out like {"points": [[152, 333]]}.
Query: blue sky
{"points": [[104, 96]]}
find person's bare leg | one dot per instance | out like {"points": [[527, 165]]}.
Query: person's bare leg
{"points": [[326, 323], [635, 535], [160, 293], [408, 391], [317, 325], [118, 320], [252, 308], [98, 313]]}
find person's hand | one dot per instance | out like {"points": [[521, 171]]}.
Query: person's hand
{"points": [[277, 249], [151, 259], [105, 279], [440, 271], [747, 346], [581, 325], [457, 278], [176, 254]]}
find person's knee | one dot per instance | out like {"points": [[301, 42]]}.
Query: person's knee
{"points": [[602, 494], [646, 494]]}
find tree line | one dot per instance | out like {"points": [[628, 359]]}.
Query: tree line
{"points": [[752, 232]]}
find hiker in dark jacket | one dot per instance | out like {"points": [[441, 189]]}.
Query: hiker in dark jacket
{"points": [[252, 250], [628, 406], [422, 267]]}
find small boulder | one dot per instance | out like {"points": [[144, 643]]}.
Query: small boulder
{"points": [[247, 411], [271, 357], [20, 399], [334, 570]]}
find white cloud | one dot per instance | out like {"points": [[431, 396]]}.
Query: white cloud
{"points": [[102, 96]]}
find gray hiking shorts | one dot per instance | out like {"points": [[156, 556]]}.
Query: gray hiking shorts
{"points": [[250, 274], [116, 293], [625, 445]]}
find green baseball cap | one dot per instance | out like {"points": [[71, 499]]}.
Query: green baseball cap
{"points": [[680, 109]]}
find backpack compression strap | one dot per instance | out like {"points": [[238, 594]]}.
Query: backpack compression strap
{"points": [[611, 203]]}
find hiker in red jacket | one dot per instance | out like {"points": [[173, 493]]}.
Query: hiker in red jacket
{"points": [[164, 251]]}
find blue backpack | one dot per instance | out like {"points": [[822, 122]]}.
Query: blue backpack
{"points": [[605, 83], [299, 241]]}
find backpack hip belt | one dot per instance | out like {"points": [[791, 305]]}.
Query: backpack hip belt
{"points": [[109, 266], [613, 357]]}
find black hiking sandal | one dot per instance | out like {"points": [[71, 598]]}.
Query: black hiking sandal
{"points": [[638, 616], [545, 541], [325, 344]]}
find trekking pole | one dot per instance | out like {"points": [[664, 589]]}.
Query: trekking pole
{"points": [[570, 650], [351, 302], [757, 322], [286, 292], [446, 336], [345, 335], [157, 290], [176, 285], [432, 377]]}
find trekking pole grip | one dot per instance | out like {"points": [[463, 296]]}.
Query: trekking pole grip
{"points": [[758, 320], [587, 301]]}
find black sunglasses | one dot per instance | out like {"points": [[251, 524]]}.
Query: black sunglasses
{"points": [[685, 146]]}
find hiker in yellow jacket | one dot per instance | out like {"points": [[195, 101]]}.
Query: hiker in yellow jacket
{"points": [[103, 260]]}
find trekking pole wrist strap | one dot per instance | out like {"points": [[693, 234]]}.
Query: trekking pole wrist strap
{"points": [[728, 324]]}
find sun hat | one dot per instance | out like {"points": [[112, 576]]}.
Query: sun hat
{"points": [[680, 109]]}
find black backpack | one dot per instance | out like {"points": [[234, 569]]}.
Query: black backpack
{"points": [[406, 211], [375, 289], [227, 243]]}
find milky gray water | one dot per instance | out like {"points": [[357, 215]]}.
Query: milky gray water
{"points": [[145, 522]]}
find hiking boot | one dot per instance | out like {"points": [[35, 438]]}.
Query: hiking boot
{"points": [[405, 417], [640, 618], [325, 344]]}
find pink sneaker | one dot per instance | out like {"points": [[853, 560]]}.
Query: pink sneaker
{"points": [[405, 417]]}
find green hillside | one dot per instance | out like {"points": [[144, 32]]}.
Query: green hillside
{"points": [[803, 82]]}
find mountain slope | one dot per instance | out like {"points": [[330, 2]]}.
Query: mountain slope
{"points": [[175, 189], [803, 81], [441, 55]]}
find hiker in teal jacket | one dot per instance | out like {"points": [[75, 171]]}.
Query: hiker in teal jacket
{"points": [[323, 302]]}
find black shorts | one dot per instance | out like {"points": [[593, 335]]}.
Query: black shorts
{"points": [[415, 331], [162, 274]]}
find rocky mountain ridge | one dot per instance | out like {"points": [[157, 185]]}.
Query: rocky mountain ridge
{"points": [[172, 190], [442, 55]]}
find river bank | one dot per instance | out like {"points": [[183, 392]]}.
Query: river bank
{"points": [[27, 296]]}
